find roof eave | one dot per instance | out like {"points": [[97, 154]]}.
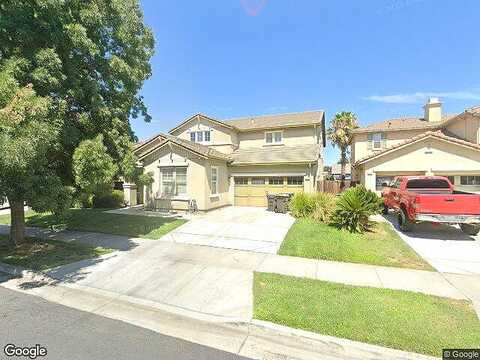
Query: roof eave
{"points": [[198, 116]]}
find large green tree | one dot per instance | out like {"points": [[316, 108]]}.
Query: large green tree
{"points": [[87, 60], [340, 134]]}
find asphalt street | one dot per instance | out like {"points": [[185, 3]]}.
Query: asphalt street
{"points": [[67, 333]]}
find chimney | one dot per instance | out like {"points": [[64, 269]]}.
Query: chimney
{"points": [[433, 110]]}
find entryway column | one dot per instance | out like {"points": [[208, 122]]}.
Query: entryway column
{"points": [[370, 180], [130, 194]]}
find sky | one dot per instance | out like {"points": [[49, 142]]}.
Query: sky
{"points": [[379, 59]]}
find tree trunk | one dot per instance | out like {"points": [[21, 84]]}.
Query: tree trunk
{"points": [[343, 160], [17, 225]]}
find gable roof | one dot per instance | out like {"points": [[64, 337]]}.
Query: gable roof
{"points": [[279, 155], [198, 149], [474, 110], [405, 123], [258, 122], [198, 117], [429, 134]]}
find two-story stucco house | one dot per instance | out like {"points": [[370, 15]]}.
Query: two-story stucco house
{"points": [[430, 145], [232, 162]]}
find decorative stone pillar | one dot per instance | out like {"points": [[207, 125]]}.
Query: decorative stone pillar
{"points": [[130, 194]]}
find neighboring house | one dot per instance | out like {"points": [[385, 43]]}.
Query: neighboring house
{"points": [[336, 171], [233, 162], [429, 145]]}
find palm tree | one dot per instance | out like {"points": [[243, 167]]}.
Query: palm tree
{"points": [[340, 134]]}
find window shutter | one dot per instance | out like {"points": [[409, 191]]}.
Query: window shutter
{"points": [[384, 140], [370, 141]]}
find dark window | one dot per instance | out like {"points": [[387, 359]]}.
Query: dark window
{"points": [[207, 135], [275, 181], [258, 181], [192, 136], [470, 180], [396, 183], [427, 184], [383, 179], [241, 181], [295, 180]]}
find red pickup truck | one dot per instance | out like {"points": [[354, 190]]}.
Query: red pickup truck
{"points": [[431, 199]]}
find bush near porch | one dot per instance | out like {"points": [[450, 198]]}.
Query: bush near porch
{"points": [[97, 220]]}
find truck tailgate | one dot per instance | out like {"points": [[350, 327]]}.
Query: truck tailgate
{"points": [[454, 204]]}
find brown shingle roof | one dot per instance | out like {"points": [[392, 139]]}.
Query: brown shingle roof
{"points": [[474, 110], [437, 134], [189, 145], [405, 123], [276, 154], [276, 120]]}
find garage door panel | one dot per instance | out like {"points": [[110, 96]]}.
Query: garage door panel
{"points": [[256, 195]]}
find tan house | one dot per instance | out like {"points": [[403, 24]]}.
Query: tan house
{"points": [[232, 162], [430, 145]]}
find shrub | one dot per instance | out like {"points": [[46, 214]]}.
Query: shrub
{"points": [[354, 208], [83, 200], [324, 205], [113, 199], [301, 205]]}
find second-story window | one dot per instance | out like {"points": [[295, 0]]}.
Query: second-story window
{"points": [[200, 136], [377, 141], [273, 137]]}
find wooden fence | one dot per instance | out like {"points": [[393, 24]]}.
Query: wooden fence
{"points": [[332, 186]]}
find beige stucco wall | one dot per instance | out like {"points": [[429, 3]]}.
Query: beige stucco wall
{"points": [[221, 138], [291, 137], [223, 196], [360, 142], [198, 175], [428, 156], [466, 127]]}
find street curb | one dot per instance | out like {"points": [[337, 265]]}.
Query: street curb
{"points": [[253, 331], [285, 330]]}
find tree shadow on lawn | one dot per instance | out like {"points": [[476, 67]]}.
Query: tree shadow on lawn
{"points": [[97, 220]]}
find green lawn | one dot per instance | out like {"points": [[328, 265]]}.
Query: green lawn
{"points": [[310, 239], [100, 221], [39, 254], [397, 319]]}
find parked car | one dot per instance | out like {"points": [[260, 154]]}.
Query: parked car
{"points": [[431, 199]]}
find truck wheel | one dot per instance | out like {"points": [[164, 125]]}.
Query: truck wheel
{"points": [[470, 229], [404, 222], [385, 209]]}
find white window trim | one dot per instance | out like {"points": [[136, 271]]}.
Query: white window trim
{"points": [[213, 194], [178, 196], [203, 136], [273, 137], [380, 141]]}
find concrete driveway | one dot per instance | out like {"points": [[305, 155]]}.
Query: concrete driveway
{"points": [[235, 227], [446, 248]]}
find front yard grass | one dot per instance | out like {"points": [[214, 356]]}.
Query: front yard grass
{"points": [[40, 255], [98, 220], [383, 246], [397, 319]]}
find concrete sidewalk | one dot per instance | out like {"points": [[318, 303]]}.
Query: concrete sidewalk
{"points": [[151, 266], [253, 339]]}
